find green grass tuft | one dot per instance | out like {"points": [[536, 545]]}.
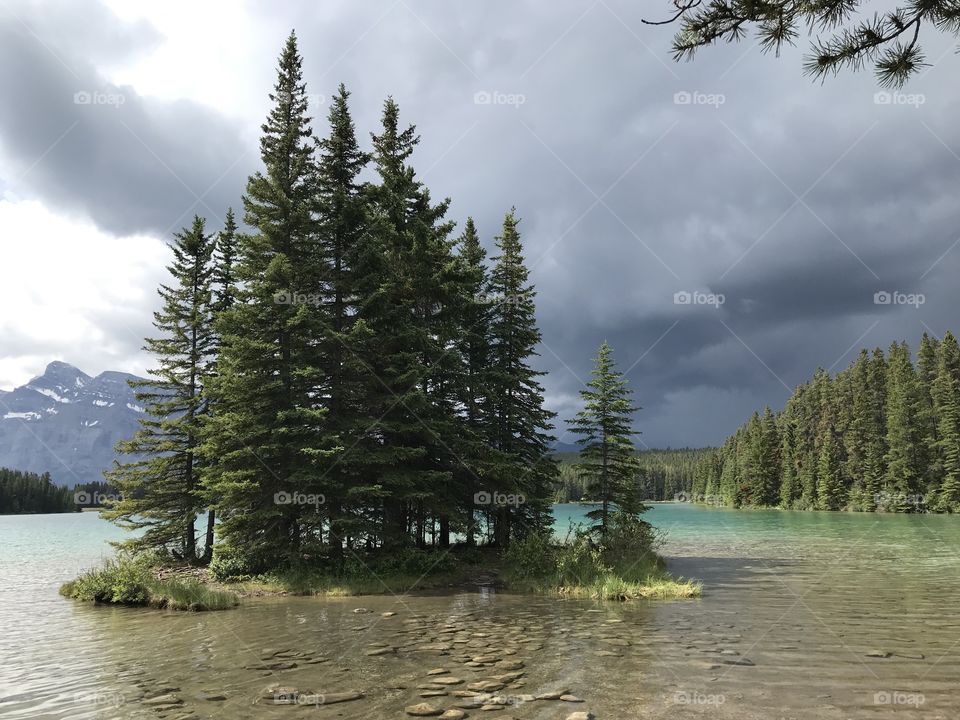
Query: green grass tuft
{"points": [[131, 582]]}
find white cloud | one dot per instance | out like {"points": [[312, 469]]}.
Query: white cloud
{"points": [[72, 292]]}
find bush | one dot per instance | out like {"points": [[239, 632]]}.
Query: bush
{"points": [[129, 581], [229, 563], [189, 594], [404, 561], [123, 581], [533, 556]]}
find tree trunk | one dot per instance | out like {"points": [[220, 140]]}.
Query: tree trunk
{"points": [[208, 540]]}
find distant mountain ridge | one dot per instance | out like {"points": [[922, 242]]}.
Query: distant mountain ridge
{"points": [[67, 423]]}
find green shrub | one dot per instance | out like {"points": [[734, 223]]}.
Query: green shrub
{"points": [[127, 581], [229, 563], [122, 581], [533, 556], [189, 594], [404, 561]]}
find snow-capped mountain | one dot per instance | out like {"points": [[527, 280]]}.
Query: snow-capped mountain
{"points": [[67, 423]]}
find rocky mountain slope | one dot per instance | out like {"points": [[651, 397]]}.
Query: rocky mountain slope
{"points": [[67, 423]]}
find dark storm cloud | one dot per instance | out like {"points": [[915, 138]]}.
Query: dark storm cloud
{"points": [[636, 179], [132, 164]]}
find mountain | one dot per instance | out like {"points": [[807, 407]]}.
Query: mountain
{"points": [[67, 423]]}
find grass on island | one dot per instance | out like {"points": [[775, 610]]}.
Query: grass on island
{"points": [[126, 581], [621, 564], [378, 573]]}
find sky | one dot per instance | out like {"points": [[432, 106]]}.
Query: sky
{"points": [[727, 225]]}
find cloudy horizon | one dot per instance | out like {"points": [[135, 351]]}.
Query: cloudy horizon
{"points": [[726, 224]]}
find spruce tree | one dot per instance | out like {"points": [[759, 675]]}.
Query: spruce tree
{"points": [[876, 456], [343, 226], [831, 494], [857, 438], [409, 309], [608, 460], [904, 442], [474, 348], [521, 440], [161, 488], [946, 399], [788, 472], [224, 289], [269, 429], [931, 466]]}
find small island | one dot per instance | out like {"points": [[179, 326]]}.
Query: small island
{"points": [[344, 394]]}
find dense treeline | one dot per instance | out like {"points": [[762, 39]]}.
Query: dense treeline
{"points": [[346, 375], [25, 492], [884, 434], [662, 474]]}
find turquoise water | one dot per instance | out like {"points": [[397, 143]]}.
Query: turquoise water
{"points": [[804, 615]]}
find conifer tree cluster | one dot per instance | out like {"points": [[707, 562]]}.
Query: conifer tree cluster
{"points": [[882, 435], [345, 375]]}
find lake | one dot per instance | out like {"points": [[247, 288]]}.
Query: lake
{"points": [[804, 615]]}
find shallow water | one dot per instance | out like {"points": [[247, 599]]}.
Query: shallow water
{"points": [[804, 598]]}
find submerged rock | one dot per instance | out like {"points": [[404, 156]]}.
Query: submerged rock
{"points": [[422, 710]]}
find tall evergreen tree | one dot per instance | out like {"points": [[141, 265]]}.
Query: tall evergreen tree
{"points": [[946, 400], [409, 312], [269, 427], [904, 443], [343, 242], [830, 490], [523, 465], [224, 291], [474, 348], [161, 488], [607, 457], [931, 467]]}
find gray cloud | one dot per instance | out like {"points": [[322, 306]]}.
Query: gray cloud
{"points": [[627, 194]]}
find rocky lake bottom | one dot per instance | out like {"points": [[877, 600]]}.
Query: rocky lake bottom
{"points": [[804, 615]]}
